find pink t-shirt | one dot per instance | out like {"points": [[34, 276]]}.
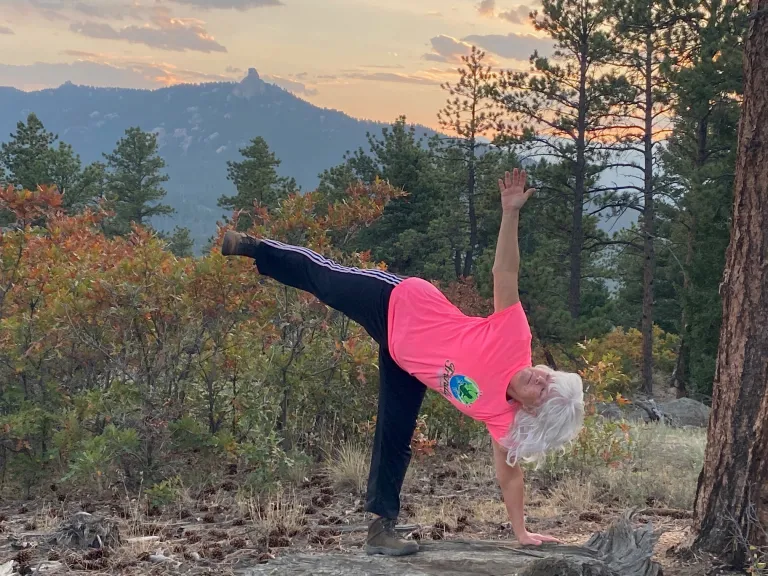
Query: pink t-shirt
{"points": [[469, 360]]}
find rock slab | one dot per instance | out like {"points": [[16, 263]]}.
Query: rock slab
{"points": [[619, 551]]}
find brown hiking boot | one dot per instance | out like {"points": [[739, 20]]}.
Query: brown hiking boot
{"points": [[238, 244], [382, 539]]}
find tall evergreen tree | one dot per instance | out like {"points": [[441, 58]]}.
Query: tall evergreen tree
{"points": [[65, 172], [31, 159], [409, 236], [469, 114], [641, 33], [730, 516], [25, 158], [705, 75], [134, 180], [256, 180], [565, 107]]}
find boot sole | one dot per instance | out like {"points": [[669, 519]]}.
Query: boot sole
{"points": [[373, 550], [229, 244]]}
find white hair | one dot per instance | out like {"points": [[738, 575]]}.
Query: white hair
{"points": [[552, 425]]}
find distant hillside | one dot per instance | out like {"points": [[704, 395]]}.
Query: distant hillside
{"points": [[199, 127]]}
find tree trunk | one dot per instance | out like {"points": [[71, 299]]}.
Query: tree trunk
{"points": [[732, 495], [577, 230], [457, 262], [649, 225], [681, 374], [471, 183]]}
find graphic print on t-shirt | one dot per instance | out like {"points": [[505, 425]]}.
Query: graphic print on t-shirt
{"points": [[464, 389], [461, 387]]}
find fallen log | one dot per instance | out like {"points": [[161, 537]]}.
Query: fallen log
{"points": [[619, 551]]}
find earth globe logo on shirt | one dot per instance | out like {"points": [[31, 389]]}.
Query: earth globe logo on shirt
{"points": [[464, 389]]}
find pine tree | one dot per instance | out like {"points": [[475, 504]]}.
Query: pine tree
{"points": [[256, 180], [180, 242], [730, 515], [65, 173], [566, 106], [134, 180], [469, 114], [409, 236], [30, 159], [92, 185], [25, 158], [705, 77], [641, 33]]}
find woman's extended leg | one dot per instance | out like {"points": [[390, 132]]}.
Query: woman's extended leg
{"points": [[361, 294], [400, 398]]}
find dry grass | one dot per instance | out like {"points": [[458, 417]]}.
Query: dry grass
{"points": [[284, 511], [477, 468], [298, 470], [662, 472], [575, 496], [48, 517], [348, 469], [490, 510], [429, 515]]}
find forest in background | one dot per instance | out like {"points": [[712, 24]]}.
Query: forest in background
{"points": [[124, 360]]}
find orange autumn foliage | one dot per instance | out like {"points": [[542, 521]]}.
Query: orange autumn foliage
{"points": [[117, 355]]}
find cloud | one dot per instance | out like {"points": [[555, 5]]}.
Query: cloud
{"points": [[49, 75], [384, 66], [102, 70], [165, 33], [6, 30], [487, 7], [392, 77], [229, 4], [512, 46], [108, 11], [517, 15], [233, 70], [68, 10], [447, 49], [430, 77], [291, 85]]}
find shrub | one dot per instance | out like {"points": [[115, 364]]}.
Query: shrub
{"points": [[625, 349], [120, 361], [163, 493]]}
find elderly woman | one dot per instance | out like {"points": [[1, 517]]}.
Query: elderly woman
{"points": [[480, 365]]}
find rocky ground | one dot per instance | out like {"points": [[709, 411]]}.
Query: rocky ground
{"points": [[448, 496]]}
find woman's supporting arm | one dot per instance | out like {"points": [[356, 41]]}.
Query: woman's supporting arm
{"points": [[512, 486]]}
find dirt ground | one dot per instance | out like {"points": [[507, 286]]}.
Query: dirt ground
{"points": [[219, 531]]}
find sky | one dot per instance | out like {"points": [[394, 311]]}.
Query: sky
{"points": [[373, 59]]}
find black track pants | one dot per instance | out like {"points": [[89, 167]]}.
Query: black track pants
{"points": [[363, 295]]}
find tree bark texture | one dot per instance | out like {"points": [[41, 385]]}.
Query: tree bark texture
{"points": [[732, 494], [579, 192], [649, 224]]}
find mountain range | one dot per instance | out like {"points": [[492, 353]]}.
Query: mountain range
{"points": [[199, 128]]}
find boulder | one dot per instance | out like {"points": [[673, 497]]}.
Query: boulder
{"points": [[630, 412], [685, 412], [679, 412]]}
